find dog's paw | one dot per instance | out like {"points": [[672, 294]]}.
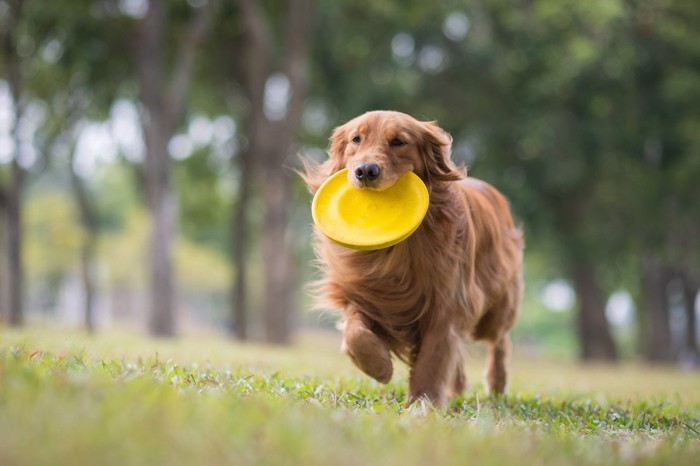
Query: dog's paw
{"points": [[434, 397], [368, 353]]}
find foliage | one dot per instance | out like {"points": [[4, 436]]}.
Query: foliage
{"points": [[583, 113], [199, 268], [78, 408], [204, 207], [578, 112], [538, 328], [54, 235], [552, 101]]}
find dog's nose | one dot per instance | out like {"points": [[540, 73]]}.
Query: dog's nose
{"points": [[367, 171]]}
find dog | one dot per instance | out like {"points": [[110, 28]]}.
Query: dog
{"points": [[459, 274]]}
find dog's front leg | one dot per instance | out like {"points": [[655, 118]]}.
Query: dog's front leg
{"points": [[365, 348], [437, 369]]}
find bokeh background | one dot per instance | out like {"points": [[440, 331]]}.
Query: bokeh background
{"points": [[147, 148]]}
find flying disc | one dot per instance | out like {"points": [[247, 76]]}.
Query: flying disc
{"points": [[363, 218]]}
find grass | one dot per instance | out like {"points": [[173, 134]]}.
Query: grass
{"points": [[67, 398]]}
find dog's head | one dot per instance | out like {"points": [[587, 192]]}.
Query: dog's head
{"points": [[378, 147]]}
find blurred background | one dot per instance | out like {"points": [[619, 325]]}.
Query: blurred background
{"points": [[146, 150]]}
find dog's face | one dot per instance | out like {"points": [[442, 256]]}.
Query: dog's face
{"points": [[378, 147]]}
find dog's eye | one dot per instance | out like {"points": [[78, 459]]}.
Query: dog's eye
{"points": [[356, 139], [396, 142]]}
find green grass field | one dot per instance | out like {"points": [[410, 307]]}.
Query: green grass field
{"points": [[67, 398]]}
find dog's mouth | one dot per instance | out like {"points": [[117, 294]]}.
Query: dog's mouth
{"points": [[366, 175], [377, 185]]}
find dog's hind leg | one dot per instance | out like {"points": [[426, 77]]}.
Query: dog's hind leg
{"points": [[496, 372], [492, 329], [366, 350], [459, 378]]}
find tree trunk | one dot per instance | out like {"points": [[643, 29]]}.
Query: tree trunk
{"points": [[657, 332], [15, 271], [271, 142], [14, 221], [690, 290], [87, 275], [157, 170], [88, 218], [13, 192], [594, 335], [162, 322], [162, 208], [4, 291], [239, 297], [164, 108], [257, 68], [279, 302]]}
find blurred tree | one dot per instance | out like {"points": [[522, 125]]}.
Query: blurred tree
{"points": [[202, 200], [265, 86], [12, 182], [79, 80], [275, 84], [222, 90], [4, 269], [582, 111], [537, 97], [662, 153], [89, 222], [163, 106], [19, 38], [584, 114], [546, 117], [53, 239]]}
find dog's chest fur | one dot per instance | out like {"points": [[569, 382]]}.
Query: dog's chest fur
{"points": [[401, 289]]}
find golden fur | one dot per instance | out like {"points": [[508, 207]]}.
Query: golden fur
{"points": [[459, 274]]}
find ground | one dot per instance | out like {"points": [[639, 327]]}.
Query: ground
{"points": [[118, 398]]}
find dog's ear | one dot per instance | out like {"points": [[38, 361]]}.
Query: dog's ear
{"points": [[437, 149], [315, 173], [339, 141]]}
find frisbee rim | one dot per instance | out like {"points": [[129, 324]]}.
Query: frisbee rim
{"points": [[416, 194]]}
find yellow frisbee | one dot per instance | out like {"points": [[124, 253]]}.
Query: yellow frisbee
{"points": [[368, 219]]}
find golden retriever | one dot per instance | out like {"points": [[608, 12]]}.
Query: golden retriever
{"points": [[459, 274]]}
